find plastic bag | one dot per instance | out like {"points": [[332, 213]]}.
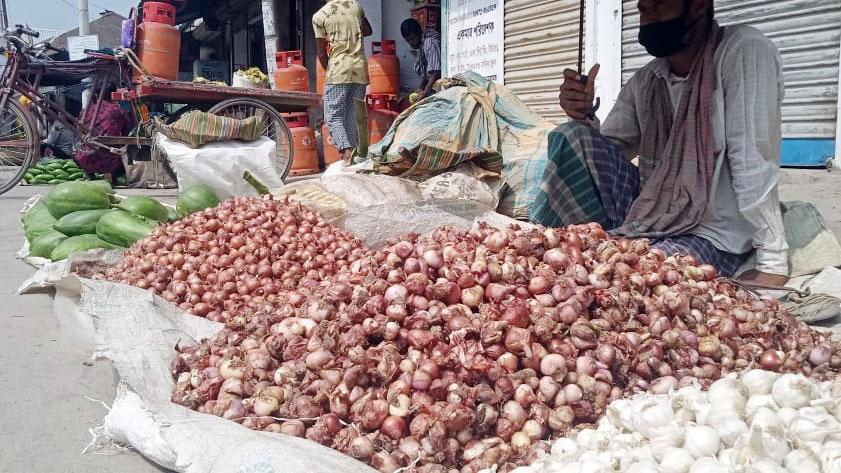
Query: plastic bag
{"points": [[221, 165]]}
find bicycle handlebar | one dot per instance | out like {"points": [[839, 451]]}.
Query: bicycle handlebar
{"points": [[26, 31]]}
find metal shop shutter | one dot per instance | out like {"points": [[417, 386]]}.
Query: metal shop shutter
{"points": [[541, 40], [807, 33]]}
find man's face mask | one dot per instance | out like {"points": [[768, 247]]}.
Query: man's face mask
{"points": [[664, 38]]}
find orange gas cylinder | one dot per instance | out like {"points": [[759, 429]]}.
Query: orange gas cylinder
{"points": [[291, 75], [331, 154], [382, 111], [384, 68], [304, 148], [159, 41]]}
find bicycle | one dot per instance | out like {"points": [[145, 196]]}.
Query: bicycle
{"points": [[23, 106]]}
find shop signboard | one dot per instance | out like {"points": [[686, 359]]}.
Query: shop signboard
{"points": [[475, 36]]}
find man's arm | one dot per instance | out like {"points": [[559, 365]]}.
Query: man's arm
{"points": [[752, 77], [321, 51], [429, 83], [366, 26], [432, 52], [320, 39]]}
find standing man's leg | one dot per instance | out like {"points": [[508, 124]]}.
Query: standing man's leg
{"points": [[356, 92], [337, 106]]}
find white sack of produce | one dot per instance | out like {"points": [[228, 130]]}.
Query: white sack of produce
{"points": [[172, 436], [221, 165]]}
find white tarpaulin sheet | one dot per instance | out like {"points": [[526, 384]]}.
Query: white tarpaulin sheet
{"points": [[168, 434]]}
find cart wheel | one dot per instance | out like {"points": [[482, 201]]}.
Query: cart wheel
{"points": [[273, 127], [18, 143]]}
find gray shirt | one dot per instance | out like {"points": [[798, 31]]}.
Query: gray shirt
{"points": [[745, 212], [60, 137]]}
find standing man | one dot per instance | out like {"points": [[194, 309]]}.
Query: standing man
{"points": [[342, 25], [428, 45], [704, 117]]}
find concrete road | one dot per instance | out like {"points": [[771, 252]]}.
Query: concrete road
{"points": [[45, 375], [46, 372]]}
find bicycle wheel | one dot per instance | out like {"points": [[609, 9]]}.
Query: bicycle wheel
{"points": [[18, 144], [274, 127]]}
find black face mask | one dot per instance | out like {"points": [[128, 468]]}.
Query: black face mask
{"points": [[664, 38]]}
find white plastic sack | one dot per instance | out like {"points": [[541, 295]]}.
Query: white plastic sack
{"points": [[173, 436], [62, 274], [812, 245], [221, 165], [466, 182]]}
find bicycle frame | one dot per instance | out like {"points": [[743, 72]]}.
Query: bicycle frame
{"points": [[19, 77]]}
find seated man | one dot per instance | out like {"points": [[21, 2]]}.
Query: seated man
{"points": [[428, 45], [704, 120]]}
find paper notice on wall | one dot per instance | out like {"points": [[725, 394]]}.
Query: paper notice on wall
{"points": [[476, 38], [77, 45]]}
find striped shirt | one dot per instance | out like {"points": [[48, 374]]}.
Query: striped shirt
{"points": [[429, 58]]}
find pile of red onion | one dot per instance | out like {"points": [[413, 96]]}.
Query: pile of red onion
{"points": [[453, 352], [224, 260]]}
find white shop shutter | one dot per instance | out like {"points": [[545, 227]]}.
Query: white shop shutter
{"points": [[807, 33], [541, 40]]}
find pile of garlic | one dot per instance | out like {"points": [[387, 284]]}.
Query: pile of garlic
{"points": [[759, 422]]}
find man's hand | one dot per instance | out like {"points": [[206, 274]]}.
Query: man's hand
{"points": [[765, 279], [576, 97]]}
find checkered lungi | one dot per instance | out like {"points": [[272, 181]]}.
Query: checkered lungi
{"points": [[340, 113], [588, 179]]}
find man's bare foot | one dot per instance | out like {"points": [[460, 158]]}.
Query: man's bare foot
{"points": [[766, 279], [347, 155]]}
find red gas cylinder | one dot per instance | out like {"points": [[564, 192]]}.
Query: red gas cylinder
{"points": [[331, 154], [159, 41], [384, 69], [291, 75], [304, 149], [382, 111]]}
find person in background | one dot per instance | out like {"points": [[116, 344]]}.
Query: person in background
{"points": [[704, 118], [342, 25], [428, 45], [60, 140], [111, 120]]}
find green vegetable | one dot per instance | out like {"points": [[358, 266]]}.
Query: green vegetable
{"points": [[55, 182], [71, 197], [70, 165], [37, 221], [35, 171], [79, 223], [103, 185], [42, 179], [79, 244], [77, 175], [44, 245], [53, 165], [255, 183], [60, 174], [27, 176], [144, 206], [195, 199], [172, 214], [121, 228]]}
